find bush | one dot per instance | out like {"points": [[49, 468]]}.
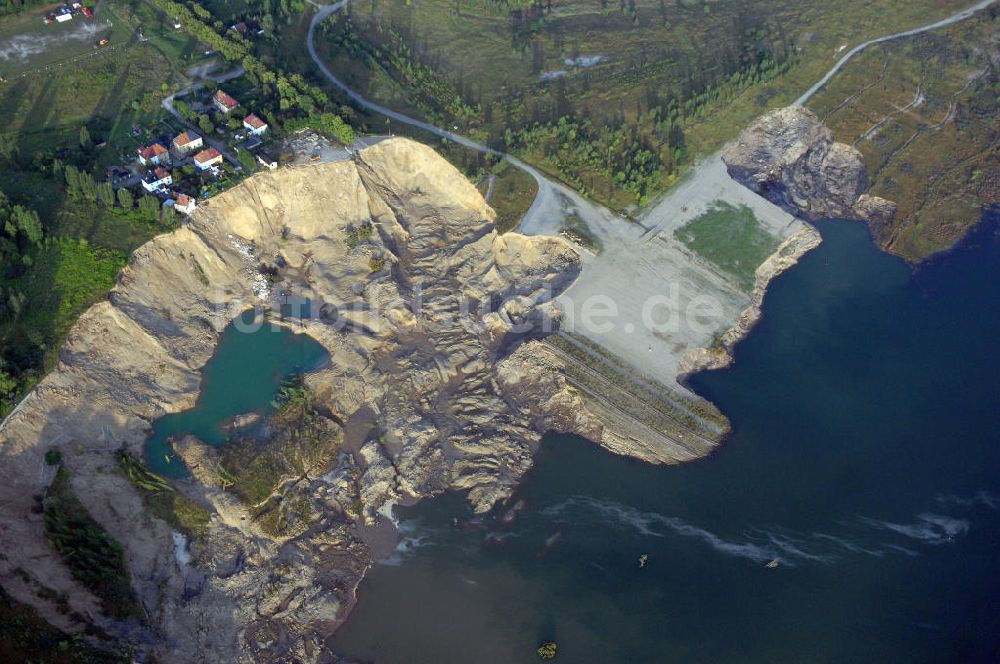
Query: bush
{"points": [[53, 457], [547, 650], [94, 558]]}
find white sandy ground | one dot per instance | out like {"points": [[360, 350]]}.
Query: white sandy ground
{"points": [[643, 275], [641, 266]]}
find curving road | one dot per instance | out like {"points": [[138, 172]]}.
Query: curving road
{"points": [[549, 205], [954, 18]]}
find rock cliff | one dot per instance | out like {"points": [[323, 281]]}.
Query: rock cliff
{"points": [[790, 158], [434, 383]]}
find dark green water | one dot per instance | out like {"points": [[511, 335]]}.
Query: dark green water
{"points": [[252, 359], [865, 456]]}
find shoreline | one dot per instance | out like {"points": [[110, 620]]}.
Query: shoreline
{"points": [[720, 356]]}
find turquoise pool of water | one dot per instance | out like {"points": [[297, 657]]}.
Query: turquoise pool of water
{"points": [[244, 374]]}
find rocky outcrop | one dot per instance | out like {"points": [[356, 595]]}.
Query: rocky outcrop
{"points": [[878, 212], [430, 320], [790, 158]]}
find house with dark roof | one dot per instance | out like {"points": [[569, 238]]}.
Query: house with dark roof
{"points": [[267, 161], [156, 179]]}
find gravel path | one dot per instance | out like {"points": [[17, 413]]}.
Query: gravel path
{"points": [[954, 18]]}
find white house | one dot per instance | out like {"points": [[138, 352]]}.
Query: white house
{"points": [[224, 102], [267, 161], [205, 159], [187, 142], [185, 204], [156, 179], [154, 155], [254, 125]]}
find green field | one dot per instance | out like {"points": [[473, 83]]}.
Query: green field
{"points": [[28, 45], [730, 238], [513, 193]]}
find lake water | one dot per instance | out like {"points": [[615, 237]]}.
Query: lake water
{"points": [[865, 457], [243, 375]]}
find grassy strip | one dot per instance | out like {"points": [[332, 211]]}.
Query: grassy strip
{"points": [[163, 501], [576, 230], [94, 558], [731, 238], [513, 193]]}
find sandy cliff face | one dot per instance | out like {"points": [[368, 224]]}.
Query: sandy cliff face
{"points": [[790, 158], [429, 319]]}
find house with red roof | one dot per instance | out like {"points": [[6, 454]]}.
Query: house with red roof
{"points": [[154, 155], [185, 204], [205, 159], [224, 102], [187, 142], [254, 125]]}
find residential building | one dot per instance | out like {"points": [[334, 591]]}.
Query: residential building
{"points": [[205, 159], [224, 102], [154, 155], [267, 160], [185, 204], [187, 142], [254, 125], [156, 179]]}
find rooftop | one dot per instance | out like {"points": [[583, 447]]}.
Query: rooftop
{"points": [[225, 100], [153, 150], [207, 155], [186, 138], [253, 121]]}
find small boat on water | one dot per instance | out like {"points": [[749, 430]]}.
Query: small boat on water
{"points": [[771, 565]]}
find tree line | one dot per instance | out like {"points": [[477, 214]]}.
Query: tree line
{"points": [[17, 6]]}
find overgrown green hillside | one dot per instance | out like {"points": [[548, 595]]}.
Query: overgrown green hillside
{"points": [[924, 111], [615, 99]]}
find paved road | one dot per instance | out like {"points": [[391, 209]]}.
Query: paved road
{"points": [[954, 18], [168, 104]]}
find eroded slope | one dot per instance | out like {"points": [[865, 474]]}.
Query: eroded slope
{"points": [[434, 382]]}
